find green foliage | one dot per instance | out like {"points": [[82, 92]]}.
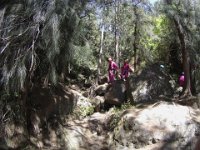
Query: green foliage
{"points": [[82, 111], [41, 39], [123, 107], [38, 39], [163, 38], [114, 121], [117, 111]]}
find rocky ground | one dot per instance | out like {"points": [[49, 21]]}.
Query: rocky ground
{"points": [[159, 126], [142, 113]]}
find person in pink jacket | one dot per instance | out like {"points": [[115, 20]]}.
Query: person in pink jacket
{"points": [[182, 80], [112, 70], [125, 70]]}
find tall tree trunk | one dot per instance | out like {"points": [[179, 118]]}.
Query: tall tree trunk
{"points": [[116, 34], [135, 38], [100, 54], [117, 49], [185, 54], [185, 58]]}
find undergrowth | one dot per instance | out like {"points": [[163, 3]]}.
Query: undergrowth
{"points": [[117, 111]]}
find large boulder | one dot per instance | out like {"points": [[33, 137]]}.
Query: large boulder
{"points": [[98, 103], [52, 101], [46, 103], [103, 79], [86, 134], [196, 80], [151, 83], [116, 93], [84, 105], [176, 126], [101, 89]]}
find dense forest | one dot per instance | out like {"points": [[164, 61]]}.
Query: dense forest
{"points": [[53, 62]]}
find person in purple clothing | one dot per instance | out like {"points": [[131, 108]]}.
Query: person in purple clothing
{"points": [[182, 80], [125, 70], [112, 70]]}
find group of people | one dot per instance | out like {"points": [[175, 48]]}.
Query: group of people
{"points": [[113, 72]]}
